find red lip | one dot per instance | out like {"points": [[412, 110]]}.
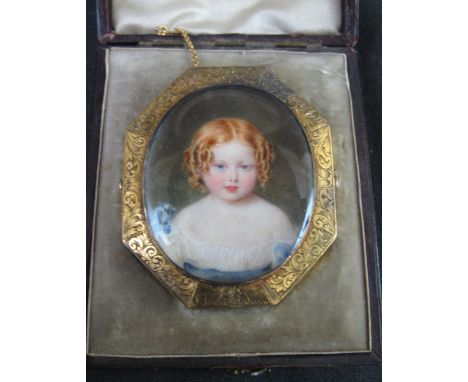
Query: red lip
{"points": [[231, 188]]}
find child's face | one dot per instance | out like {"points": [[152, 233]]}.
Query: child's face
{"points": [[233, 173]]}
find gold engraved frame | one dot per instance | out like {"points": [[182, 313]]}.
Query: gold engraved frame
{"points": [[321, 229]]}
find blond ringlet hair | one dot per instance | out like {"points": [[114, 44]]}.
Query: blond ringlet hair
{"points": [[199, 156]]}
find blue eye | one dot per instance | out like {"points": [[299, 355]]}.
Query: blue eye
{"points": [[219, 167], [245, 167]]}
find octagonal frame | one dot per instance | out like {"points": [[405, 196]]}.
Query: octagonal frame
{"points": [[321, 228]]}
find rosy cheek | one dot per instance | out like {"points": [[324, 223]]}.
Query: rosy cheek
{"points": [[213, 181], [249, 180]]}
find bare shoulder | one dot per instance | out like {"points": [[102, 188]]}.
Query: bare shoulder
{"points": [[273, 222], [271, 212], [186, 216]]}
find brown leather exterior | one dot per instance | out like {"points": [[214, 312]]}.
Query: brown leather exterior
{"points": [[342, 43]]}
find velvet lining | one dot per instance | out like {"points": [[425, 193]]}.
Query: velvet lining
{"points": [[132, 314]]}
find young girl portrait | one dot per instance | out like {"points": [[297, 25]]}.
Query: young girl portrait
{"points": [[230, 234]]}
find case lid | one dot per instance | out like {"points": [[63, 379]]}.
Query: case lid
{"points": [[244, 23]]}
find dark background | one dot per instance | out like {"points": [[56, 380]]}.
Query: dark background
{"points": [[266, 112], [369, 48]]}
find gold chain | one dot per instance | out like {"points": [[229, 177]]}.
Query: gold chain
{"points": [[164, 31]]}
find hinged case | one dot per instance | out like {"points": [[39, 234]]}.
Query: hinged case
{"points": [[346, 35], [334, 317]]}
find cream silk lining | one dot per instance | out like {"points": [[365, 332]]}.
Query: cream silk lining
{"points": [[315, 17]]}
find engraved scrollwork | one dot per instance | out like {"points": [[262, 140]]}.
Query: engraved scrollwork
{"points": [[132, 168], [136, 143], [323, 223], [321, 230], [272, 84], [130, 199], [133, 224], [282, 281], [157, 263], [135, 244], [327, 199], [182, 286], [324, 157], [299, 261], [324, 175], [234, 296], [149, 253], [179, 86]]}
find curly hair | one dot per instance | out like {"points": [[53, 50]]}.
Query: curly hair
{"points": [[199, 156]]}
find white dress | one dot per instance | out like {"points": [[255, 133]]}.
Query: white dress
{"points": [[215, 261]]}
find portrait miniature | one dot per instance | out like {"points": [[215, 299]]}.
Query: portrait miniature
{"points": [[230, 234], [228, 187]]}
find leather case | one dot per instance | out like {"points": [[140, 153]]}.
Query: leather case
{"points": [[333, 317]]}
